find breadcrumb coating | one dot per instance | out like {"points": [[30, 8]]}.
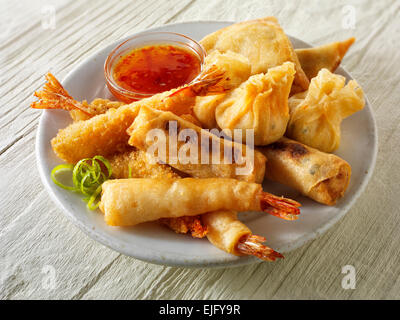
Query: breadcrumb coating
{"points": [[141, 166]]}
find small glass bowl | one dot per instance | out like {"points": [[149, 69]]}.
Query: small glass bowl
{"points": [[142, 40]]}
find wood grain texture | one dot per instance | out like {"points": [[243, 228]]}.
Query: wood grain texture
{"points": [[35, 234]]}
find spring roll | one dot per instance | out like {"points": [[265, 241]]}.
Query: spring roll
{"points": [[320, 176], [202, 161], [127, 202]]}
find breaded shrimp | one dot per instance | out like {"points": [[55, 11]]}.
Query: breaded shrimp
{"points": [[105, 134], [186, 224], [136, 164], [54, 96]]}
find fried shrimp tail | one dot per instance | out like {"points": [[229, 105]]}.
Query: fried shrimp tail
{"points": [[252, 245], [281, 207], [54, 96], [211, 81], [229, 234]]}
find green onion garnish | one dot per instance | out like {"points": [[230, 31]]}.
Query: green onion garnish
{"points": [[87, 178], [129, 172]]}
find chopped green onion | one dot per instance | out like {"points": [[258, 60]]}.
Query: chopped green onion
{"points": [[93, 199], [58, 169], [129, 172], [87, 178]]}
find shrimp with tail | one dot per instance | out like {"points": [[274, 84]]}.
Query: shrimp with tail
{"points": [[54, 96], [252, 245], [186, 197], [229, 234], [105, 133]]}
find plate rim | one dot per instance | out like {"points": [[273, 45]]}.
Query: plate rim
{"points": [[183, 262]]}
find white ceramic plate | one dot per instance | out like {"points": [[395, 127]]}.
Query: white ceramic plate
{"points": [[154, 243]]}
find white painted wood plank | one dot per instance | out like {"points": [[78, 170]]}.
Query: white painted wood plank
{"points": [[35, 234]]}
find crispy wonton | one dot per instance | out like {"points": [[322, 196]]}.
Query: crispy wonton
{"points": [[262, 41], [327, 56], [316, 114]]}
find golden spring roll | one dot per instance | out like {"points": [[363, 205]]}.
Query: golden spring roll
{"points": [[227, 232], [127, 202], [320, 176], [251, 166]]}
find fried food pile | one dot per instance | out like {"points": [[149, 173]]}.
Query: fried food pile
{"points": [[253, 81]]}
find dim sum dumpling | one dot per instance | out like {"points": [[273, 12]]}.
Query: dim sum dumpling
{"points": [[260, 103], [236, 67], [316, 115], [262, 41], [238, 70], [326, 56]]}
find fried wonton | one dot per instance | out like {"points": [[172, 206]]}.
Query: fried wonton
{"points": [[327, 56], [262, 41], [316, 115], [236, 66], [238, 70], [260, 103]]}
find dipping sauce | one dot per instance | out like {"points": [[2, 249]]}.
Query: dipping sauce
{"points": [[156, 68]]}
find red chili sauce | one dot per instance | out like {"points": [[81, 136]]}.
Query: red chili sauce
{"points": [[156, 68]]}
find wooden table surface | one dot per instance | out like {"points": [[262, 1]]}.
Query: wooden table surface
{"points": [[43, 255]]}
